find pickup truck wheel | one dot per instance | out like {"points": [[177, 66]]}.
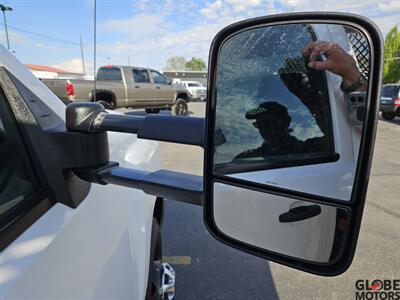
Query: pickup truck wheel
{"points": [[152, 110], [180, 108], [107, 105]]}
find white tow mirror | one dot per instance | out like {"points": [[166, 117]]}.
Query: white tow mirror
{"points": [[290, 130]]}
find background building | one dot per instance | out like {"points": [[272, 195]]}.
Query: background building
{"points": [[53, 73], [199, 76]]}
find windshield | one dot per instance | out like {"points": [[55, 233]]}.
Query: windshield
{"points": [[390, 91]]}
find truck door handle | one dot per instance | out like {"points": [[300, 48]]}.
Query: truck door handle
{"points": [[136, 86], [158, 87], [300, 213]]}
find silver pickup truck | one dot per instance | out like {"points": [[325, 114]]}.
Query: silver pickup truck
{"points": [[124, 86]]}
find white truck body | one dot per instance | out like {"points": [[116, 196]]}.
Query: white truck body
{"points": [[98, 250]]}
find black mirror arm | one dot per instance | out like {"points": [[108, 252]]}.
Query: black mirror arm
{"points": [[90, 117], [171, 185]]}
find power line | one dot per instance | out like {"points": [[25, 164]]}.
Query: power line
{"points": [[42, 35], [51, 38]]}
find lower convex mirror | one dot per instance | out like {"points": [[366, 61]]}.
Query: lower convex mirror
{"points": [[305, 230], [288, 151]]}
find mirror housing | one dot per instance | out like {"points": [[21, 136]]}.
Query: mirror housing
{"points": [[234, 197]]}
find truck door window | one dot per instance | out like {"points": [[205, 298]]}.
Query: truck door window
{"points": [[272, 78], [158, 78], [18, 182], [109, 73], [140, 75]]}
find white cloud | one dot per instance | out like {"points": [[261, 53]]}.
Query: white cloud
{"points": [[389, 6], [74, 65], [138, 26], [47, 47], [384, 13], [14, 37], [194, 41], [243, 5], [159, 41], [212, 10], [224, 8], [143, 5], [153, 33], [323, 5]]}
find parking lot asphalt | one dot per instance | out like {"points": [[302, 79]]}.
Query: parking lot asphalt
{"points": [[207, 269]]}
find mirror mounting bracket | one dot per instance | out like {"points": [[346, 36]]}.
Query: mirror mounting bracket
{"points": [[92, 118]]}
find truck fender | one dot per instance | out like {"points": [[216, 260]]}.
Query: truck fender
{"points": [[103, 94]]}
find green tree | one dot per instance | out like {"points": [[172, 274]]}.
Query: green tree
{"points": [[195, 64], [391, 68], [175, 63]]}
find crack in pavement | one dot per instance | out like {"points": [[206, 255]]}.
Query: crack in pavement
{"points": [[386, 210]]}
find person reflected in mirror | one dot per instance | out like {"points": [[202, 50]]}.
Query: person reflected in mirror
{"points": [[273, 123], [331, 57]]}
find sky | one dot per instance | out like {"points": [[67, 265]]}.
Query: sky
{"points": [[147, 32]]}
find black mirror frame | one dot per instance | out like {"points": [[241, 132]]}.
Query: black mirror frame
{"points": [[356, 204]]}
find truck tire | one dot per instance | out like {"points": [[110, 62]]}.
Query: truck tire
{"points": [[106, 104], [388, 116], [180, 108], [152, 110], [152, 292]]}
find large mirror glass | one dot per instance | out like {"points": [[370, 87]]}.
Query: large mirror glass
{"points": [[289, 112], [290, 105]]}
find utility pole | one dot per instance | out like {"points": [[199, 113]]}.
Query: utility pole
{"points": [[94, 49], [83, 58], [4, 9], [108, 60], [129, 61]]}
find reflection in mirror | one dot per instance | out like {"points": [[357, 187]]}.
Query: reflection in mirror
{"points": [[300, 229], [290, 107]]}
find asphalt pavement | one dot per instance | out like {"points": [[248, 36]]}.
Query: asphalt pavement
{"points": [[207, 269]]}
